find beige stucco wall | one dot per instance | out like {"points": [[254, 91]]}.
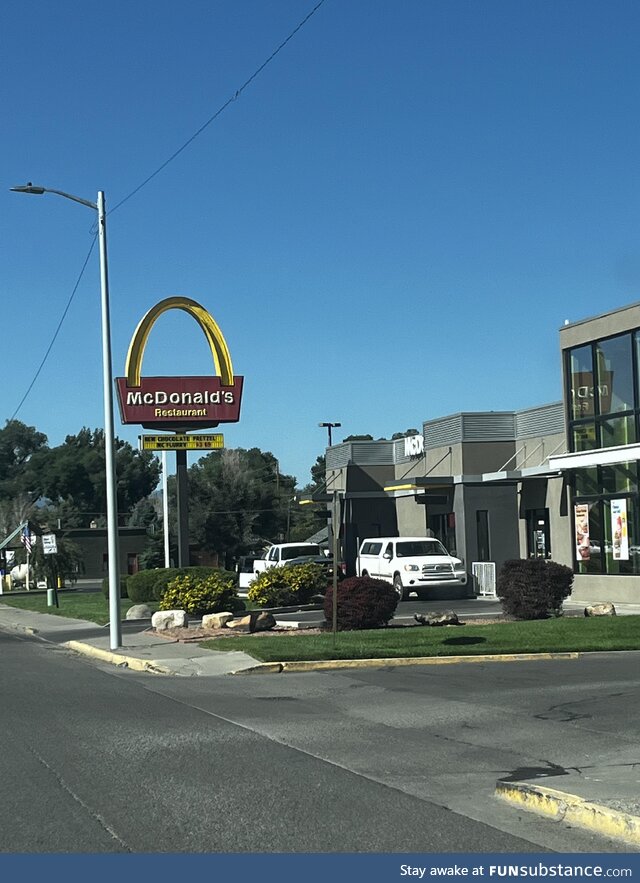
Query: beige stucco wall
{"points": [[594, 589], [601, 326]]}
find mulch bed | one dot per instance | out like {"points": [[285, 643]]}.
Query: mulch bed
{"points": [[196, 634]]}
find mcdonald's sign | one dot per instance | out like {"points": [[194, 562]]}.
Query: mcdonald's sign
{"points": [[179, 403]]}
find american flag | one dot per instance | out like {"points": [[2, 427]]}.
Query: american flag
{"points": [[26, 538]]}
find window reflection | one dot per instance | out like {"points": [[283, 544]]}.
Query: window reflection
{"points": [[621, 431], [581, 400], [615, 374]]}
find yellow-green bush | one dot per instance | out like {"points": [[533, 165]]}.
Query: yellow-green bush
{"points": [[282, 586], [199, 595]]}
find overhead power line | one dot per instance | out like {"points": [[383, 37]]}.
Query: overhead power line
{"points": [[220, 110], [57, 331], [150, 177]]}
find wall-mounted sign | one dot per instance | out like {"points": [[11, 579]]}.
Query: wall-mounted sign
{"points": [[413, 446], [179, 403], [181, 442]]}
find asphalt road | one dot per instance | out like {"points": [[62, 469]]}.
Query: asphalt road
{"points": [[96, 761], [100, 759]]}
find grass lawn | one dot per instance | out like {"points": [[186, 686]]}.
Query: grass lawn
{"points": [[552, 635], [92, 606]]}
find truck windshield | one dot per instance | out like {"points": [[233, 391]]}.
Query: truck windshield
{"points": [[419, 548], [298, 551]]}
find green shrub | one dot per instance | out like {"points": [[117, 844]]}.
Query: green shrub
{"points": [[201, 594], [141, 586], [532, 588], [363, 603], [150, 585], [283, 586], [123, 586]]}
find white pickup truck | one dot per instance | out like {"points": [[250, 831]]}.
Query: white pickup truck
{"points": [[280, 553], [412, 564]]}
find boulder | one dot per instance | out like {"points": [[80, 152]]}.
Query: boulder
{"points": [[256, 621], [139, 611], [600, 610], [216, 620], [262, 622], [243, 624], [442, 617], [169, 619]]}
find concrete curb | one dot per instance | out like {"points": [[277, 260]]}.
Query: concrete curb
{"points": [[329, 664], [131, 662], [563, 807]]}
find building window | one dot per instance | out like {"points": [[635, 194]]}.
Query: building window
{"points": [[603, 409], [482, 532], [615, 375], [602, 393], [607, 531]]}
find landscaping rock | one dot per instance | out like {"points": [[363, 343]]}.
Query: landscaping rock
{"points": [[262, 622], [600, 610], [216, 620], [242, 624], [139, 611], [256, 621], [443, 617], [169, 619]]}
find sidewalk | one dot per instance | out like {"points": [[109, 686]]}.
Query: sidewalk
{"points": [[605, 800], [141, 650]]}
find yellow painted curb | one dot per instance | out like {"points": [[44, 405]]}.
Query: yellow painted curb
{"points": [[116, 658], [327, 664], [563, 807]]}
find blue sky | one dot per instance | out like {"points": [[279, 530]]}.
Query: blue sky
{"points": [[389, 225]]}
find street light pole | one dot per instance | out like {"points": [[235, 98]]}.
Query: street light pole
{"points": [[329, 427], [115, 627]]}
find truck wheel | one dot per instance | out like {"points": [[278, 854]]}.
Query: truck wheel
{"points": [[401, 591], [365, 573]]}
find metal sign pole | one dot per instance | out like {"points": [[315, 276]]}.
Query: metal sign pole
{"points": [[335, 518]]}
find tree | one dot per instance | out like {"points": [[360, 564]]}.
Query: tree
{"points": [[72, 477], [358, 438], [18, 444], [237, 502], [308, 520], [397, 435]]}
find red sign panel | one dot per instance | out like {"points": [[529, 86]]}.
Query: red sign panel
{"points": [[179, 403]]}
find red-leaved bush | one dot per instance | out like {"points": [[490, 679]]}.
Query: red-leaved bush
{"points": [[363, 603]]}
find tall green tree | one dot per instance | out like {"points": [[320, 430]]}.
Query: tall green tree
{"points": [[237, 502], [19, 481], [72, 477]]}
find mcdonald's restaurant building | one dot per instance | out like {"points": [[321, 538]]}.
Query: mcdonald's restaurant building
{"points": [[559, 481]]}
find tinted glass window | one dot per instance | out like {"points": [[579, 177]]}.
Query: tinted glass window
{"points": [[419, 548], [620, 431], [615, 374], [584, 437], [297, 551], [581, 393]]}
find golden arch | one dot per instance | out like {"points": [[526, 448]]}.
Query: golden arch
{"points": [[215, 339]]}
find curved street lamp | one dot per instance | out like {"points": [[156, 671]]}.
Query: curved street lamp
{"points": [[115, 628]]}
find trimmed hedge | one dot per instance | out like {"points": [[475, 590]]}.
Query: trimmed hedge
{"points": [[200, 594], [123, 586], [150, 585], [363, 603], [283, 586], [532, 588]]}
